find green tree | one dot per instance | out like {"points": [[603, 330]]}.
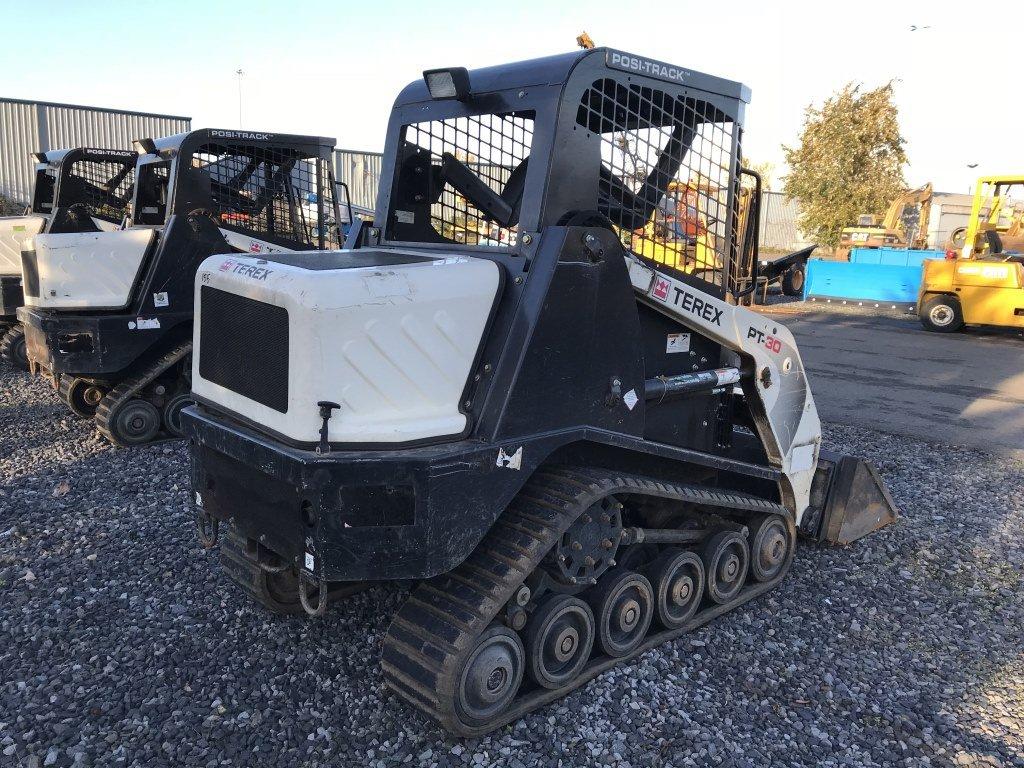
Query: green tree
{"points": [[850, 161]]}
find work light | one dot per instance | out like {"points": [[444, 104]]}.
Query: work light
{"points": [[451, 83]]}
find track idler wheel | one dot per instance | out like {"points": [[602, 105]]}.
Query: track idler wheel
{"points": [[770, 543], [623, 604], [82, 397], [136, 422], [677, 577], [172, 413], [726, 561], [558, 639], [490, 676]]}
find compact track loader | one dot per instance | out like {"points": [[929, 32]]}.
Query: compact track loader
{"points": [[108, 315], [75, 190], [578, 452]]}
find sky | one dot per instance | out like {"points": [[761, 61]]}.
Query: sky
{"points": [[334, 68]]}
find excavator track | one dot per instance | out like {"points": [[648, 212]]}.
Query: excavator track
{"points": [[119, 396], [434, 633]]}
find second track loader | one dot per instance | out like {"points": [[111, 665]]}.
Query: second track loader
{"points": [[108, 315], [75, 190], [578, 451]]}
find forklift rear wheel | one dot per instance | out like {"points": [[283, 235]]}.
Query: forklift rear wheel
{"points": [[12, 348], [136, 423], [793, 280], [942, 314], [82, 397]]}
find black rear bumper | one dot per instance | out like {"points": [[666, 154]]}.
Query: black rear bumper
{"points": [[411, 512], [11, 296], [92, 346], [350, 515]]}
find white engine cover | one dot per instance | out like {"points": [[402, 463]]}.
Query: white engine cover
{"points": [[15, 230], [393, 344], [88, 270]]}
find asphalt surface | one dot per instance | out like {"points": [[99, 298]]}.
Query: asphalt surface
{"points": [[887, 373]]}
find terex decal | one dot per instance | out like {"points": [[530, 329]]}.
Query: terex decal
{"points": [[686, 301], [246, 270]]}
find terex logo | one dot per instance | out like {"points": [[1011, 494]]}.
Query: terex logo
{"points": [[660, 291], [246, 270], [242, 135], [227, 265]]}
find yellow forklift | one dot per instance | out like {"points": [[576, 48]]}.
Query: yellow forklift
{"points": [[983, 284]]}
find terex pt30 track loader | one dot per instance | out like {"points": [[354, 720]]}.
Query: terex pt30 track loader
{"points": [[109, 314], [581, 451], [75, 190]]}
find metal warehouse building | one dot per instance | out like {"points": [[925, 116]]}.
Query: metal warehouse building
{"points": [[34, 126]]}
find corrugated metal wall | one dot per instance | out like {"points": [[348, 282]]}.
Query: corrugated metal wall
{"points": [[361, 171], [27, 127], [779, 230]]}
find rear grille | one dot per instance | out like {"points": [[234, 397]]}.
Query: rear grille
{"points": [[243, 346]]}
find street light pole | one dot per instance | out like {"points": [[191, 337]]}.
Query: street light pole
{"points": [[239, 72]]}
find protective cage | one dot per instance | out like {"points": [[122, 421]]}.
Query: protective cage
{"points": [[104, 187], [270, 192], [654, 159]]}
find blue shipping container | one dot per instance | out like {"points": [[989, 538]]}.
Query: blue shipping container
{"points": [[895, 257]]}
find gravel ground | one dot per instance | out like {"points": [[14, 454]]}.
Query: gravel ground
{"points": [[122, 644]]}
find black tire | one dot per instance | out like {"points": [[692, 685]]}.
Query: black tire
{"points": [[13, 349], [623, 603], [558, 638], [677, 577], [135, 423], [770, 544], [793, 280], [726, 562], [172, 413], [490, 675], [941, 314], [82, 397]]}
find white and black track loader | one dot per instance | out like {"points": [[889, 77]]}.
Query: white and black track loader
{"points": [[108, 315], [74, 190], [578, 451]]}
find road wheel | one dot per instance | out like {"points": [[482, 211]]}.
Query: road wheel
{"points": [[793, 280], [942, 314], [136, 422], [12, 348]]}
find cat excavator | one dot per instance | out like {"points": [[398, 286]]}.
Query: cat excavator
{"points": [[890, 230]]}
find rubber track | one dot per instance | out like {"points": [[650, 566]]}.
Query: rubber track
{"points": [[9, 338], [124, 391], [433, 632]]}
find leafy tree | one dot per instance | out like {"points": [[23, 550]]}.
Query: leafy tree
{"points": [[9, 207], [850, 161]]}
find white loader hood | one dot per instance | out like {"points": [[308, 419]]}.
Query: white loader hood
{"points": [[388, 335], [14, 231], [84, 270]]}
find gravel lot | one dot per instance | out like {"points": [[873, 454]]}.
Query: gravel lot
{"points": [[122, 644]]}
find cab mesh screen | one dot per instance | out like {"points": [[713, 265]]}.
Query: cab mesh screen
{"points": [[243, 346], [103, 186], [667, 179], [491, 148], [271, 192]]}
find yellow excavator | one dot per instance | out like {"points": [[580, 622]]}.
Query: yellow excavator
{"points": [[889, 232], [983, 283]]}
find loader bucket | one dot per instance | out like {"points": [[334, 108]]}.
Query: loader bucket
{"points": [[848, 500]]}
